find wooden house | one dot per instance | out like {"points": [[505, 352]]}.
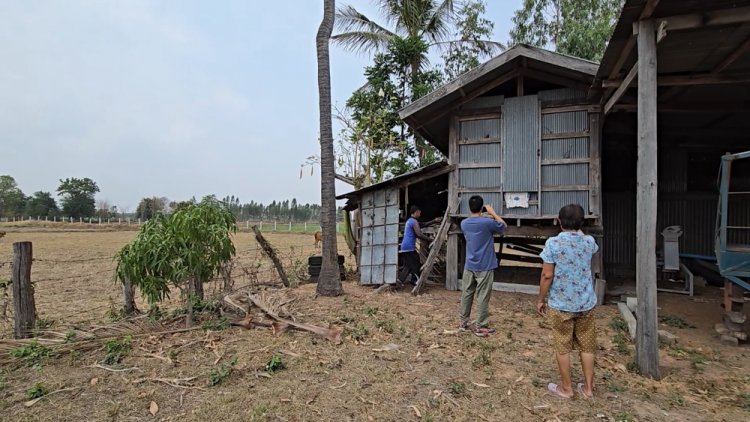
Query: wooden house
{"points": [[520, 131]]}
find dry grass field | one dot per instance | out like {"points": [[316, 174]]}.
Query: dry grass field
{"points": [[400, 358]]}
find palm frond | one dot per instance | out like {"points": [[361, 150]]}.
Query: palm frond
{"points": [[358, 32], [362, 42], [437, 28]]}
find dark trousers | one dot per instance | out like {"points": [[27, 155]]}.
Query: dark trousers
{"points": [[410, 266]]}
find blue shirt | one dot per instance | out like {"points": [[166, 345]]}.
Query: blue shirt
{"points": [[480, 245], [572, 288], [409, 243]]}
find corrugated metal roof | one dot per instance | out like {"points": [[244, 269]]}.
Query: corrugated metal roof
{"points": [[402, 178]]}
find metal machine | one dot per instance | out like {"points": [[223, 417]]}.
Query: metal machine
{"points": [[733, 258]]}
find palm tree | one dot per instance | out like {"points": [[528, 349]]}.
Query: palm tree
{"points": [[329, 281], [429, 22]]}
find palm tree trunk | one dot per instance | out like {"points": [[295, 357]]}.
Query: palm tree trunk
{"points": [[329, 281]]}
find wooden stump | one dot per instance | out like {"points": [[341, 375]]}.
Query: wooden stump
{"points": [[24, 309], [128, 292]]}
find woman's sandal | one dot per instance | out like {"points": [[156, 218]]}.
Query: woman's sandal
{"points": [[554, 390], [581, 392]]}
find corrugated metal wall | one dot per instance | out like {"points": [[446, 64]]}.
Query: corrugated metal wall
{"points": [[521, 151], [378, 261], [521, 128], [695, 213], [486, 155]]}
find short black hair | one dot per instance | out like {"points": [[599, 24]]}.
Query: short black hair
{"points": [[413, 209], [571, 217], [476, 203]]}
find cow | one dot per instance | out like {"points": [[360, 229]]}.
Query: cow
{"points": [[316, 235]]}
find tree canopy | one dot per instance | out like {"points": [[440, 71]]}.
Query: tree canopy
{"points": [[580, 28], [12, 199], [78, 197]]}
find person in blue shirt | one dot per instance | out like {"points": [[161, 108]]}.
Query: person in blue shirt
{"points": [[567, 298], [481, 261], [411, 265]]}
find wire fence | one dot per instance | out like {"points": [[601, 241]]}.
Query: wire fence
{"points": [[266, 225], [80, 288]]}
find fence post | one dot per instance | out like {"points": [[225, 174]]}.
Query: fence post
{"points": [[261, 225], [305, 226], [139, 221], [290, 226], [247, 224], [80, 220], [274, 225], [100, 220], [337, 227], [24, 310]]}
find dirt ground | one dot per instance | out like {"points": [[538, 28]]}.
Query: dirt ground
{"points": [[401, 358]]}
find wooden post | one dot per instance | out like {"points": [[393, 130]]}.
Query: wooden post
{"points": [[451, 263], [128, 292], [647, 335], [270, 252], [24, 310]]}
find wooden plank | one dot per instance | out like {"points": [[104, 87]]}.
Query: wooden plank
{"points": [[521, 258], [451, 263], [630, 320], [595, 163], [702, 20], [478, 165], [515, 288], [24, 307], [494, 189], [519, 85], [565, 161], [270, 252], [563, 135], [437, 245], [426, 176], [624, 85], [566, 109], [495, 114], [478, 141], [565, 188], [692, 79], [647, 341]]}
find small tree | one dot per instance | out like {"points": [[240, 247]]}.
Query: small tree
{"points": [[41, 204], [78, 197], [184, 249], [12, 199]]}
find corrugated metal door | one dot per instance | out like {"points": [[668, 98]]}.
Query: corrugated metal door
{"points": [[521, 135], [379, 257]]}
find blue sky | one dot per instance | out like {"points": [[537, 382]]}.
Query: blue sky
{"points": [[170, 98]]}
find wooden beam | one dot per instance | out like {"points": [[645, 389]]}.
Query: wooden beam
{"points": [[698, 108], [624, 85], [427, 176], [691, 79], [702, 20], [519, 85], [478, 141], [564, 161], [648, 10], [647, 336], [564, 135]]}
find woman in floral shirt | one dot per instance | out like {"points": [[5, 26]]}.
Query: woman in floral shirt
{"points": [[567, 286]]}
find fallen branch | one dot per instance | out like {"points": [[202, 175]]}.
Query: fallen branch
{"points": [[115, 370], [173, 382], [332, 334], [34, 401]]}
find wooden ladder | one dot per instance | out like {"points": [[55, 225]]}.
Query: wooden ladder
{"points": [[437, 245]]}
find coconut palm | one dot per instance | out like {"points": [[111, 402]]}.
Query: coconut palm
{"points": [[427, 20], [329, 281]]}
